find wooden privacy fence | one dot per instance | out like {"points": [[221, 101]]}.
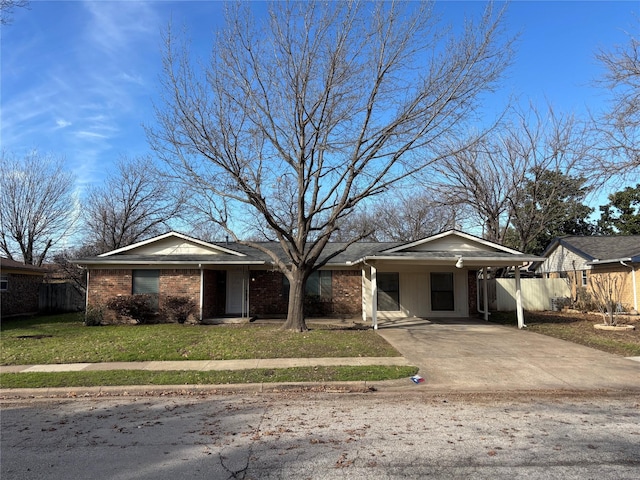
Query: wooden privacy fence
{"points": [[60, 297], [538, 294]]}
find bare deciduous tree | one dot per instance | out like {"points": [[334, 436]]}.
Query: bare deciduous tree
{"points": [[38, 207], [131, 206], [7, 7], [401, 216], [607, 291], [497, 177], [619, 127], [298, 119]]}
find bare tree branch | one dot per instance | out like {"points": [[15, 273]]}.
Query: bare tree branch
{"points": [[301, 118], [38, 206], [619, 126], [132, 205]]}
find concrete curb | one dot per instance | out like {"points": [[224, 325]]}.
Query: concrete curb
{"points": [[400, 386]]}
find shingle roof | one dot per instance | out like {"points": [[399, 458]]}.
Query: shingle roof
{"points": [[7, 264], [334, 253], [601, 247]]}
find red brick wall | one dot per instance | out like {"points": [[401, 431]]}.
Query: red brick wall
{"points": [[107, 283], [267, 296], [347, 292], [266, 293], [21, 297], [472, 277], [179, 283]]}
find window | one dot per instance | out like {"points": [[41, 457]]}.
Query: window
{"points": [[584, 278], [318, 284], [146, 282], [442, 292], [4, 283], [388, 291]]}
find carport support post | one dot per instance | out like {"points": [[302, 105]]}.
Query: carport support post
{"points": [[519, 310], [364, 296], [485, 294], [374, 297]]}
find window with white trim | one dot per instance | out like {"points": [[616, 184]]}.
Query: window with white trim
{"points": [[584, 278], [4, 283]]}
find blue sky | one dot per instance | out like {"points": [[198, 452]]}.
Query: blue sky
{"points": [[79, 79]]}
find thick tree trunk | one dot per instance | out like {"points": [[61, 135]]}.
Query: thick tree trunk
{"points": [[295, 314]]}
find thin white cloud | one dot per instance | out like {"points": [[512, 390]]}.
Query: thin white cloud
{"points": [[61, 123], [87, 134]]}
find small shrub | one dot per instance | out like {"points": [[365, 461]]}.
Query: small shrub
{"points": [[94, 316], [316, 306], [584, 301], [138, 307], [178, 308]]}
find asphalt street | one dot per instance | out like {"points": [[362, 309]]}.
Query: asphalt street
{"points": [[301, 435]]}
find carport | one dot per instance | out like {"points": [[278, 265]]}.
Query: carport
{"points": [[441, 276]]}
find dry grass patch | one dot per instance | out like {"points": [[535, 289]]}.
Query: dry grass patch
{"points": [[579, 328]]}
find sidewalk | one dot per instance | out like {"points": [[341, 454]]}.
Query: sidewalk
{"points": [[209, 365]]}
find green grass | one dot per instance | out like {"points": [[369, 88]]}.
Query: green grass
{"points": [[578, 328], [64, 339], [142, 377]]}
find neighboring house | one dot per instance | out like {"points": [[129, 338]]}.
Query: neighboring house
{"points": [[19, 287], [436, 276], [578, 258]]}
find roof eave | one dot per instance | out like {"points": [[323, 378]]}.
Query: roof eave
{"points": [[166, 262], [635, 259], [468, 260]]}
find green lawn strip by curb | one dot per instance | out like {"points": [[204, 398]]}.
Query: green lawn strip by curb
{"points": [[261, 375]]}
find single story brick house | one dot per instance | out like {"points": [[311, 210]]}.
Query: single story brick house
{"points": [[577, 258], [19, 287], [436, 276]]}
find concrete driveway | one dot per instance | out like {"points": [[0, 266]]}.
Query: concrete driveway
{"points": [[469, 354]]}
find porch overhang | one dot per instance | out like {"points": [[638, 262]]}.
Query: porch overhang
{"points": [[467, 260]]}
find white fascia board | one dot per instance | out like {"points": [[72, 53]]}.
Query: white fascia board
{"points": [[171, 262], [172, 234]]}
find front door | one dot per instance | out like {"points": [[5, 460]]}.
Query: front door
{"points": [[235, 287]]}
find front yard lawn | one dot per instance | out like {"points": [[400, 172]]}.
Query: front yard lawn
{"points": [[578, 328], [64, 339]]}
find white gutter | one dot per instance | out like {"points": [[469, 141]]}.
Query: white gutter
{"points": [[610, 260], [469, 261], [635, 288]]}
